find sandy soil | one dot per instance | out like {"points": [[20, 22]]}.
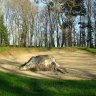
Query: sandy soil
{"points": [[79, 64]]}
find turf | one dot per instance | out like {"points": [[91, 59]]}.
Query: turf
{"points": [[92, 50], [14, 85], [38, 49], [3, 49]]}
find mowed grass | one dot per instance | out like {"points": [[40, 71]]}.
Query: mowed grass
{"points": [[2, 49], [38, 49], [92, 50], [14, 85]]}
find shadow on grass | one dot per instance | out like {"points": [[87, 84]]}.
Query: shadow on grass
{"points": [[14, 85]]}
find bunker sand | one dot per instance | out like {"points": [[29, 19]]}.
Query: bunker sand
{"points": [[80, 64]]}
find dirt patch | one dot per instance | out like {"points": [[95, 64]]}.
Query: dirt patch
{"points": [[80, 64]]}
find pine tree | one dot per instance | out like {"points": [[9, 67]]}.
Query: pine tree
{"points": [[3, 33]]}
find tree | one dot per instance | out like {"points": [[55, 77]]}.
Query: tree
{"points": [[20, 21], [94, 14], [52, 26], [89, 22], [3, 33], [69, 9]]}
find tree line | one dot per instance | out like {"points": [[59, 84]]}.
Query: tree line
{"points": [[59, 23]]}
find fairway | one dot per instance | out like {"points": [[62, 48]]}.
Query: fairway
{"points": [[14, 85]]}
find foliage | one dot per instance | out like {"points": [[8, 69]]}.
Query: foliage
{"points": [[65, 25], [73, 7], [54, 24], [3, 32]]}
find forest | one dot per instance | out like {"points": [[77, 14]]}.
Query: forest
{"points": [[48, 23]]}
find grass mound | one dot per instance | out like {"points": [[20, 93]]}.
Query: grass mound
{"points": [[14, 85]]}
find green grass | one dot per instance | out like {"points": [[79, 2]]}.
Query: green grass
{"points": [[2, 49], [14, 85], [91, 50]]}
